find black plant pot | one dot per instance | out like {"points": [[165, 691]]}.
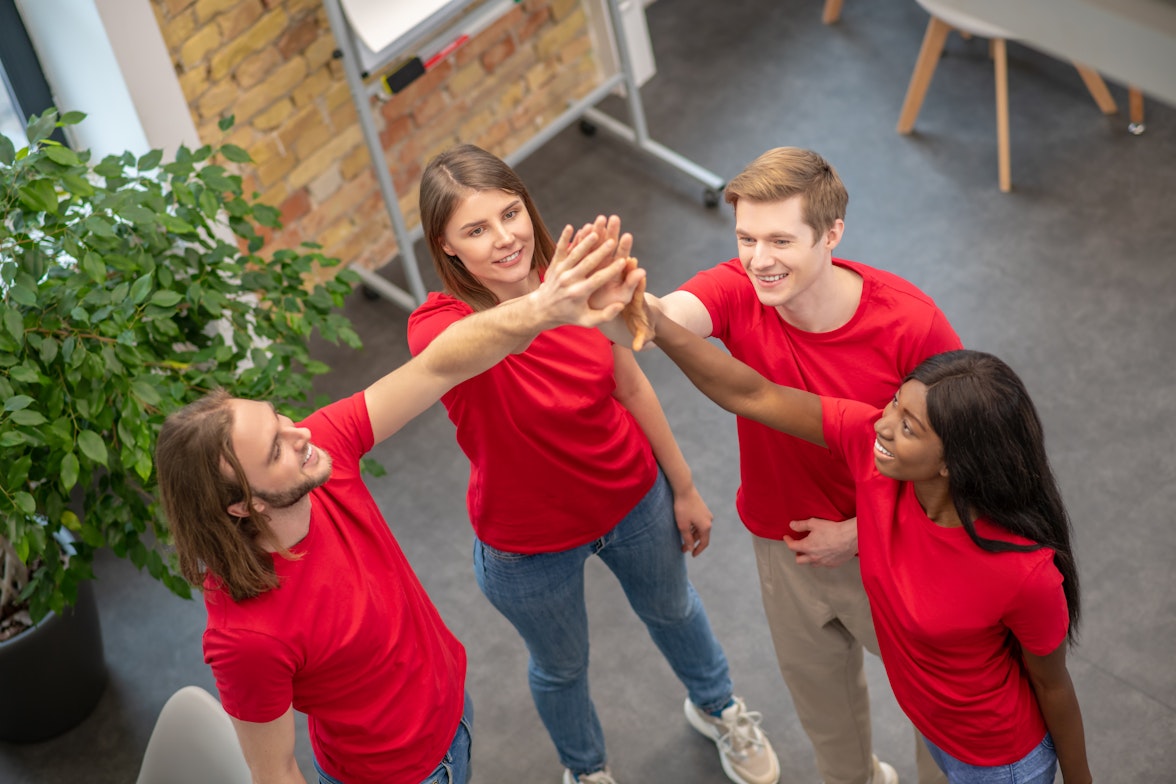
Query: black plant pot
{"points": [[52, 675]]}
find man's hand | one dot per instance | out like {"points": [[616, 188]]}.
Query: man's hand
{"points": [[586, 283], [828, 544]]}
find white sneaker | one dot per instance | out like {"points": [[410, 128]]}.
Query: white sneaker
{"points": [[884, 773], [744, 750], [599, 777]]}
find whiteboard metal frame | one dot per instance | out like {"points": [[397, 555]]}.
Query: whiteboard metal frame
{"points": [[358, 60]]}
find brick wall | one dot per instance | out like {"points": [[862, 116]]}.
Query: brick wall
{"points": [[270, 63]]}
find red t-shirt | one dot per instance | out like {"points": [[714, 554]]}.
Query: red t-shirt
{"points": [[349, 637], [947, 612], [896, 326], [555, 460]]}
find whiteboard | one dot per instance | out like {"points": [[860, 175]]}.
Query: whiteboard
{"points": [[380, 23]]}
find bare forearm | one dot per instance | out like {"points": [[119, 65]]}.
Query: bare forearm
{"points": [[737, 387], [1063, 718]]}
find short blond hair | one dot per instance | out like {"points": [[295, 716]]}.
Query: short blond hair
{"points": [[784, 172]]}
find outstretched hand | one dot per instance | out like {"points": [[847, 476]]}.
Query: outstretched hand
{"points": [[587, 283], [634, 314]]}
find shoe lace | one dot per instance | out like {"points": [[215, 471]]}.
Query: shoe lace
{"points": [[743, 736], [599, 777]]}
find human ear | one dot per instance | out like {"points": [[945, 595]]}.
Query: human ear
{"points": [[445, 246], [833, 236], [240, 509]]}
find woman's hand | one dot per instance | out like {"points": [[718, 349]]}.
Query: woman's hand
{"points": [[586, 284], [694, 519]]}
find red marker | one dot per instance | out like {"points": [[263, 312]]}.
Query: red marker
{"points": [[446, 50]]}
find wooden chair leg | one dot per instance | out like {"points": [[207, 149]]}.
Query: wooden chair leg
{"points": [[1098, 89], [832, 11], [1135, 109], [1000, 58], [933, 41]]}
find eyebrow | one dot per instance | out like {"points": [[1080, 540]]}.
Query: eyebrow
{"points": [[269, 458], [472, 224], [907, 413]]}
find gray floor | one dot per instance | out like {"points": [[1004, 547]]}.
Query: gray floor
{"points": [[1071, 278]]}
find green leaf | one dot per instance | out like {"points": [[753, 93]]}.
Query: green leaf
{"points": [[145, 392], [39, 196], [69, 471], [14, 323], [227, 122], [78, 186], [49, 348], [236, 154], [174, 224], [150, 160], [27, 417], [12, 438], [92, 446], [94, 267], [39, 128], [25, 503], [166, 299], [71, 118], [140, 288], [23, 295], [17, 403], [24, 374], [70, 520], [63, 155], [7, 151]]}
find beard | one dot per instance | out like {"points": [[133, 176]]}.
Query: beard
{"points": [[284, 499]]}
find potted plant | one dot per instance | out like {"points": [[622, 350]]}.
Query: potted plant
{"points": [[128, 287]]}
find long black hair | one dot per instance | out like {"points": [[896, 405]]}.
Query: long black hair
{"points": [[994, 449]]}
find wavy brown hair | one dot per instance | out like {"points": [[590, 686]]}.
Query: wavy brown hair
{"points": [[447, 180], [199, 478], [784, 172]]}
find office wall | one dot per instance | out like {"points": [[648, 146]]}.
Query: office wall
{"points": [[269, 63]]}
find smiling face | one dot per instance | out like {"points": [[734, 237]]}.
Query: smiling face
{"points": [[784, 258], [280, 463], [906, 448], [491, 232]]}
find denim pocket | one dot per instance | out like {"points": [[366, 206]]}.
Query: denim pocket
{"points": [[503, 555]]}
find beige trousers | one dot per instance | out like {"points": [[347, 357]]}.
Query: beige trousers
{"points": [[820, 622]]}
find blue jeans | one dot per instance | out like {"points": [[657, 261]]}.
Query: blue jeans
{"points": [[455, 765], [1036, 767], [542, 595]]}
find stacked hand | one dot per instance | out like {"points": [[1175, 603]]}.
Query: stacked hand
{"points": [[587, 282], [634, 313]]}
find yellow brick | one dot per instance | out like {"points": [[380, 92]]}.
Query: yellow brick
{"points": [[275, 169], [206, 9], [559, 36], [561, 8], [199, 45], [194, 82], [355, 162], [539, 76], [216, 99], [467, 78], [236, 20], [512, 96], [256, 67], [321, 52], [308, 121], [316, 164], [316, 136], [575, 50], [179, 30], [255, 39], [279, 83], [475, 125], [325, 185], [264, 150], [274, 116], [312, 87], [336, 233]]}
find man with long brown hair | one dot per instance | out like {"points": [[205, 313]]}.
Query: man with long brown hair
{"points": [[311, 603]]}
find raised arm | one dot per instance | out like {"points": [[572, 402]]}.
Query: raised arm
{"points": [[479, 341], [735, 386]]}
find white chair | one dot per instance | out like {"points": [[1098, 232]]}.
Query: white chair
{"points": [[943, 20], [193, 743]]}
